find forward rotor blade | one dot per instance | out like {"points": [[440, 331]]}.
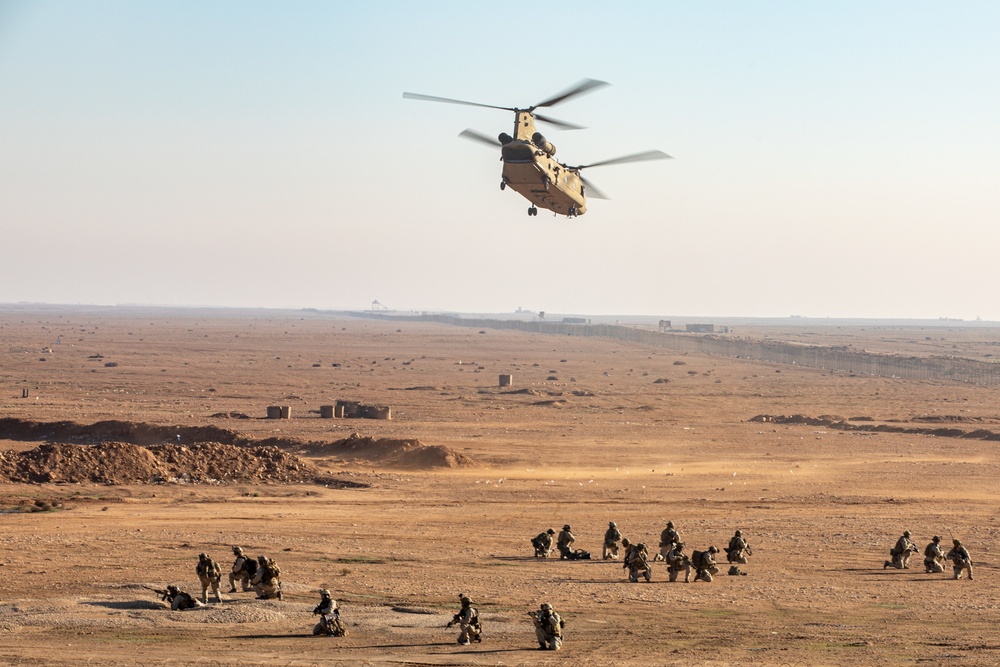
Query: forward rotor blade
{"points": [[634, 157], [558, 123], [481, 138], [592, 191], [448, 100], [584, 86]]}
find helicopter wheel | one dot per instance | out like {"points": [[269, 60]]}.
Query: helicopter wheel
{"points": [[532, 211], [503, 185]]}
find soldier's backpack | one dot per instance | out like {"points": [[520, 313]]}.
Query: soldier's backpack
{"points": [[250, 567], [696, 557]]}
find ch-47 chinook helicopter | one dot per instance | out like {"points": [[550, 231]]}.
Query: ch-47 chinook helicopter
{"points": [[529, 164]]}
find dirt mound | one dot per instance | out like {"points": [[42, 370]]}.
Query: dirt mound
{"points": [[841, 425], [123, 463], [393, 453], [136, 433], [221, 455]]}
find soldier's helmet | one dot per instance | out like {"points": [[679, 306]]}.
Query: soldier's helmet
{"points": [[464, 600], [172, 588], [906, 533], [550, 531], [713, 550], [625, 542], [238, 551], [640, 546], [566, 527], [935, 539], [324, 593], [956, 542], [262, 560], [739, 533], [611, 524], [680, 545], [670, 524], [546, 606], [202, 556]]}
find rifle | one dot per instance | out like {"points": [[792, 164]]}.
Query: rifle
{"points": [[164, 594], [457, 618]]}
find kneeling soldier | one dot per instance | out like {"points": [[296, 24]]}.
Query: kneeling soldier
{"points": [[329, 619], [704, 564], [678, 561], [933, 556], [468, 622], [548, 627], [959, 556]]}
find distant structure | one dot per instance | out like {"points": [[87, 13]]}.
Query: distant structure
{"points": [[506, 380], [575, 320], [705, 328], [665, 326], [354, 409], [379, 306]]}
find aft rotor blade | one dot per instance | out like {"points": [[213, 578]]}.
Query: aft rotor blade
{"points": [[584, 86], [634, 157], [448, 100], [481, 138], [592, 191], [558, 123]]}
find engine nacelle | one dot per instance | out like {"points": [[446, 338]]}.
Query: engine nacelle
{"points": [[539, 140], [505, 138]]}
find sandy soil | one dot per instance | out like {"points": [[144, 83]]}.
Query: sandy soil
{"points": [[591, 431]]}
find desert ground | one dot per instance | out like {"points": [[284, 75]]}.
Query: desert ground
{"points": [[592, 430]]}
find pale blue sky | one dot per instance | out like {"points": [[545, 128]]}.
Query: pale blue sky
{"points": [[832, 158]]}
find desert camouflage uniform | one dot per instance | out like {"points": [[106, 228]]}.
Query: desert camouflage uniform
{"points": [[329, 622], [468, 622], [611, 539], [678, 561], [240, 570], [210, 576], [901, 553], [636, 561], [704, 564], [548, 628], [179, 600], [934, 556], [737, 551], [668, 538], [959, 556], [565, 542], [543, 544], [265, 583]]}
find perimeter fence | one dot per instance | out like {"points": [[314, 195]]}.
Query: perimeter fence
{"points": [[833, 358]]}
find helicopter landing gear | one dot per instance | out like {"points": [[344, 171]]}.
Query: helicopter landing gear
{"points": [[503, 185], [532, 211], [572, 212]]}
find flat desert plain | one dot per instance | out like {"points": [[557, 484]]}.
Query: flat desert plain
{"points": [[592, 430]]}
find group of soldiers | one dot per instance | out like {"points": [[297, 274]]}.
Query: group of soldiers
{"points": [[262, 576], [934, 556], [636, 556], [548, 625]]}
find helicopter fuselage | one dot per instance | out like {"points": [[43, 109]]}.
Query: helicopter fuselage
{"points": [[531, 170]]}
